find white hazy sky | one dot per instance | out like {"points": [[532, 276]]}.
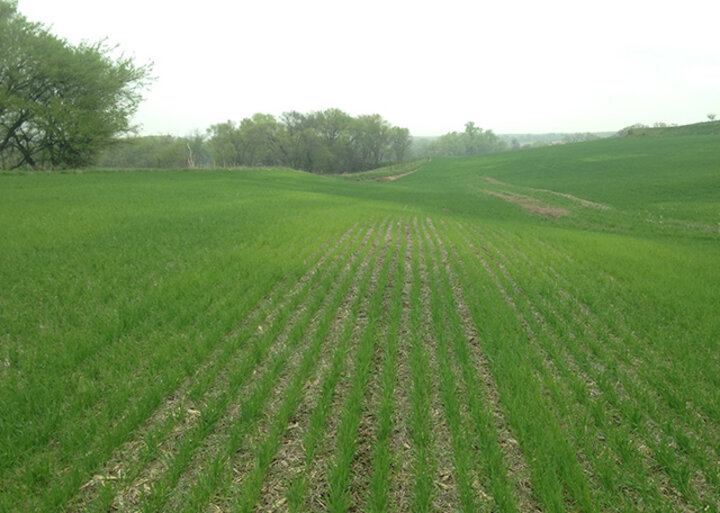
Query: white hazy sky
{"points": [[512, 66]]}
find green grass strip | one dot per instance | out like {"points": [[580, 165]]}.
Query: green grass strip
{"points": [[554, 467], [448, 388], [339, 472], [486, 436], [297, 488], [652, 389], [420, 399], [167, 376], [252, 407], [382, 459]]}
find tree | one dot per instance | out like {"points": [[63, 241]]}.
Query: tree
{"points": [[370, 140], [472, 141], [260, 138], [224, 142], [711, 116], [471, 130], [60, 104], [400, 143]]}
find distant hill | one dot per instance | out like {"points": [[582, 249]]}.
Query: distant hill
{"points": [[705, 128], [552, 138], [514, 141]]}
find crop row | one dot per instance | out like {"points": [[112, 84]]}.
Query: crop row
{"points": [[409, 364]]}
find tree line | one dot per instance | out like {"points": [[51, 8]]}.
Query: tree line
{"points": [[324, 142], [328, 141]]}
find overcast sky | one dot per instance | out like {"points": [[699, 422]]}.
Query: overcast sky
{"points": [[512, 66]]}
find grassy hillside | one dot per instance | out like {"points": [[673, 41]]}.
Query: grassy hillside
{"points": [[522, 331], [705, 128]]}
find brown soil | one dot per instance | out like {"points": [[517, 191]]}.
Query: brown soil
{"points": [[532, 205]]}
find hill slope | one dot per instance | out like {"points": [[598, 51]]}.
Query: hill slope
{"points": [[705, 128]]}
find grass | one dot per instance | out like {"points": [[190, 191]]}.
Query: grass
{"points": [[266, 339]]}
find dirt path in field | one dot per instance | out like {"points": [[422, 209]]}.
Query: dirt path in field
{"points": [[583, 202], [392, 178], [532, 205]]}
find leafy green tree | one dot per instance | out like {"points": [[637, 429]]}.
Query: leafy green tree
{"points": [[400, 143], [472, 141], [224, 144], [471, 130], [371, 140], [331, 124], [60, 104], [260, 141]]}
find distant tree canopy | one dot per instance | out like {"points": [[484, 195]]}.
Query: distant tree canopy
{"points": [[328, 141], [472, 141], [580, 137], [59, 104]]}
